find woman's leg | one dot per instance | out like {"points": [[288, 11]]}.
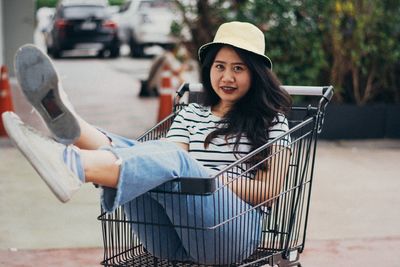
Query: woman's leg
{"points": [[154, 229], [144, 167], [214, 229], [126, 170], [90, 138], [100, 167]]}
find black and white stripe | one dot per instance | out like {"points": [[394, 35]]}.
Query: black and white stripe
{"points": [[194, 123]]}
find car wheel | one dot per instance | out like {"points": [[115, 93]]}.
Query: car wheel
{"points": [[114, 52], [55, 53], [137, 50]]}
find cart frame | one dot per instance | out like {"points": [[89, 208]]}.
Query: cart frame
{"points": [[284, 216]]}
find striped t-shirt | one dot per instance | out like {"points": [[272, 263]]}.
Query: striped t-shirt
{"points": [[194, 123]]}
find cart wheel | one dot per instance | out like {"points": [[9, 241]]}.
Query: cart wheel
{"points": [[101, 53], [292, 260], [114, 52], [137, 50]]}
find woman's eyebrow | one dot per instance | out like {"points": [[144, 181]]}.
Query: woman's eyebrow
{"points": [[224, 62]]}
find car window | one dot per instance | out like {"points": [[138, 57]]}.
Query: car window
{"points": [[79, 12], [155, 4]]}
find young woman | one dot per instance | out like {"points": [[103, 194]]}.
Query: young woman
{"points": [[244, 108]]}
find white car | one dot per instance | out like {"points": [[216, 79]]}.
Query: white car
{"points": [[146, 23], [44, 15]]}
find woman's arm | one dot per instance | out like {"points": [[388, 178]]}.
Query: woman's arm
{"points": [[267, 183]]}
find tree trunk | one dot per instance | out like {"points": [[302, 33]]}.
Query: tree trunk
{"points": [[369, 88], [203, 27], [356, 84]]}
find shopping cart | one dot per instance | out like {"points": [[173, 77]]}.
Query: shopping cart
{"points": [[283, 216]]}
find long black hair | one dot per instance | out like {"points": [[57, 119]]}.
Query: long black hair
{"points": [[253, 114]]}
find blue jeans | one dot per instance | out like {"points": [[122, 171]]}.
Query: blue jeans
{"points": [[179, 227]]}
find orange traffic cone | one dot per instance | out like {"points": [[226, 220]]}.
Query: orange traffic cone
{"points": [[166, 94], [5, 97]]}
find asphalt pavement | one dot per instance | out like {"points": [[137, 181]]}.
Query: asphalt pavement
{"points": [[354, 216]]}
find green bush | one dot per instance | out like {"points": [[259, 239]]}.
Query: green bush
{"points": [[116, 2], [365, 50], [46, 3], [351, 44]]}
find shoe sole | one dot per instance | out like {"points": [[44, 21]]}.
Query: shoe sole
{"points": [[45, 169], [39, 82]]}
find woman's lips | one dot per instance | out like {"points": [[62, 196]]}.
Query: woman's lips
{"points": [[228, 89]]}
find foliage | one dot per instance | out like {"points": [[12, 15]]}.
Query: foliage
{"points": [[352, 44], [116, 2], [293, 37], [365, 39], [46, 3]]}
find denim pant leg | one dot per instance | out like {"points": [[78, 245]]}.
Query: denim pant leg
{"points": [[154, 229], [150, 222], [203, 225], [145, 166]]}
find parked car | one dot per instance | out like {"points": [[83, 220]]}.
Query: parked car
{"points": [[145, 23], [82, 24]]}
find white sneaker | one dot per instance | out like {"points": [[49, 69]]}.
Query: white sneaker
{"points": [[45, 155], [40, 84]]}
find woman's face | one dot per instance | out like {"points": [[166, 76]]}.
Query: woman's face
{"points": [[230, 77]]}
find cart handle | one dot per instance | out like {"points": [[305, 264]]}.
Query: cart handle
{"points": [[324, 91]]}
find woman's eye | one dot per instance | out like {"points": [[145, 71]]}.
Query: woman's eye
{"points": [[219, 66], [238, 68]]}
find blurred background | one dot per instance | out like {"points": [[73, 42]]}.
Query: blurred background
{"points": [[352, 45], [106, 52]]}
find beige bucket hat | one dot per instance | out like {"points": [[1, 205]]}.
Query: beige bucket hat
{"points": [[242, 35]]}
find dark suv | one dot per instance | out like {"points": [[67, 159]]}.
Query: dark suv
{"points": [[82, 24]]}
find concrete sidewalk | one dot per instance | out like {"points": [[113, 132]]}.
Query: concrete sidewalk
{"points": [[318, 253], [354, 217]]}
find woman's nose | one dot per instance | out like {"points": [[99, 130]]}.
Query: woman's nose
{"points": [[228, 76]]}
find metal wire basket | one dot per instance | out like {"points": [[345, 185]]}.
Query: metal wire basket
{"points": [[283, 219]]}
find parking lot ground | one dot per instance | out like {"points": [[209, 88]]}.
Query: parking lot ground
{"points": [[318, 253], [353, 219]]}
